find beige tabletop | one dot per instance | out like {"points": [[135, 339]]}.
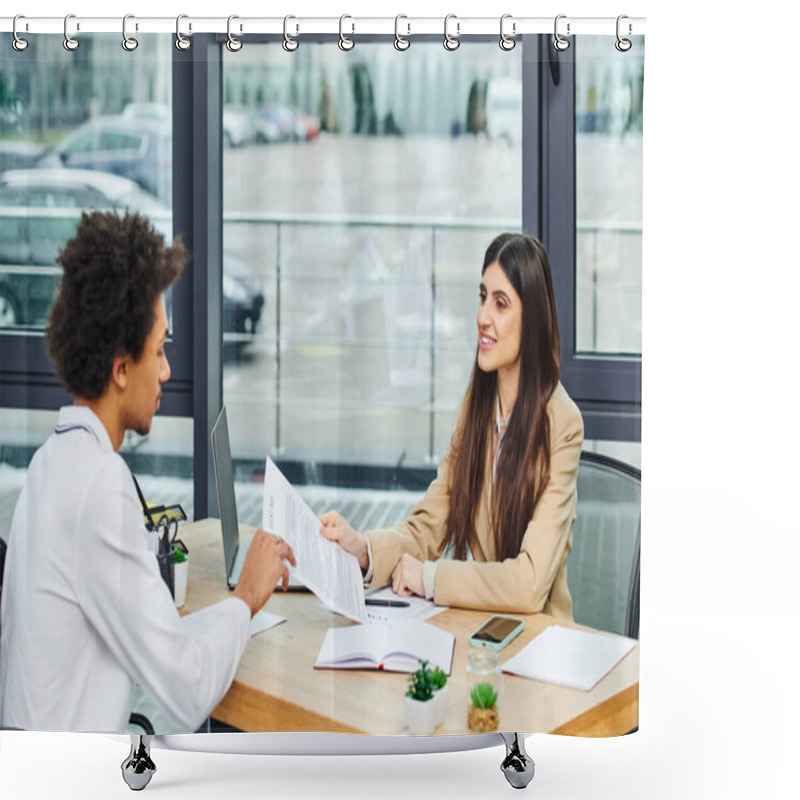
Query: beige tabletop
{"points": [[276, 687]]}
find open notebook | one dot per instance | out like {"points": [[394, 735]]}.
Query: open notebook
{"points": [[391, 646]]}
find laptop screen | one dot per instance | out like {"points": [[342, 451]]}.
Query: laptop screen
{"points": [[223, 471]]}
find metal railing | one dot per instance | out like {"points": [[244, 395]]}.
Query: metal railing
{"points": [[434, 227]]}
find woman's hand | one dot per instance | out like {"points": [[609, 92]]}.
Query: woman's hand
{"points": [[407, 576], [337, 529]]}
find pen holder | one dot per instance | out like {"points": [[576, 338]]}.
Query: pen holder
{"points": [[180, 575], [167, 568]]}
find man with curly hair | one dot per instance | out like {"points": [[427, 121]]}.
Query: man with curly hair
{"points": [[85, 613]]}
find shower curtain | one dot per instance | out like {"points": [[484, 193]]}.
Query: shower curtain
{"points": [[348, 188]]}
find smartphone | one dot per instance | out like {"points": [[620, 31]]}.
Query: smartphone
{"points": [[496, 632]]}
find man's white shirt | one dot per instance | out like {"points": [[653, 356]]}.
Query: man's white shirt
{"points": [[85, 613]]}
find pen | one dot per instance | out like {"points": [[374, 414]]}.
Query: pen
{"points": [[374, 601]]}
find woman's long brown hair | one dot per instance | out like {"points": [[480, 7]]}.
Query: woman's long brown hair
{"points": [[523, 464]]}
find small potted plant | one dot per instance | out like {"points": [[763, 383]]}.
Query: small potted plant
{"points": [[180, 562], [482, 715], [420, 708], [440, 693]]}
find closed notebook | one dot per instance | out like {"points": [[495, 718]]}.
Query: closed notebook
{"points": [[391, 646], [569, 657]]}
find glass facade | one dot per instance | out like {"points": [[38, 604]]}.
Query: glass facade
{"points": [[351, 205], [89, 130], [608, 171], [359, 192]]}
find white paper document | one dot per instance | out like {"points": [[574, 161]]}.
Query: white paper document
{"points": [[263, 621], [417, 608], [569, 657], [323, 566], [390, 646]]}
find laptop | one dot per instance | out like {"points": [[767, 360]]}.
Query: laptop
{"points": [[234, 549]]}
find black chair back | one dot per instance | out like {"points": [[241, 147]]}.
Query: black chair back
{"points": [[2, 564]]}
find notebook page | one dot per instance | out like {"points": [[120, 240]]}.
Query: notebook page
{"points": [[569, 657]]}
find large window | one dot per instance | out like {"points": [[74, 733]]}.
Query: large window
{"points": [[608, 172], [90, 130], [360, 194], [333, 310]]}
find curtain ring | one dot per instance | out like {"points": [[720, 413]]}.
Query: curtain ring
{"points": [[233, 44], [623, 45], [289, 44], [181, 42], [19, 44], [559, 42], [506, 42], [70, 42], [400, 42], [345, 43], [128, 43], [451, 43]]}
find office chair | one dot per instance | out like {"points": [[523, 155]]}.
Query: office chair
{"points": [[2, 563], [603, 567], [136, 720]]}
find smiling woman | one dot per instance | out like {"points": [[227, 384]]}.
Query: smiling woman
{"points": [[499, 324], [505, 492]]}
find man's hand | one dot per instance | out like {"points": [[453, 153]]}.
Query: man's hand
{"points": [[407, 576], [337, 529], [262, 569]]}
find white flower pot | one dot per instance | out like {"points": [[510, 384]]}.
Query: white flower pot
{"points": [[440, 698], [181, 578], [421, 716]]}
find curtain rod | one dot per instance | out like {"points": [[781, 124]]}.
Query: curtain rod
{"points": [[297, 26]]}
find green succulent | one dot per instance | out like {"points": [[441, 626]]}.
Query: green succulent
{"points": [[438, 678], [483, 695], [178, 556], [420, 684]]}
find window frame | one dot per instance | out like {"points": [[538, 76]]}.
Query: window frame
{"points": [[607, 388], [27, 380]]}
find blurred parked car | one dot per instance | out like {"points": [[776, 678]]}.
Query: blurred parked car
{"points": [[311, 125], [132, 147], [19, 155], [158, 112], [242, 300], [284, 120], [39, 212], [241, 125]]}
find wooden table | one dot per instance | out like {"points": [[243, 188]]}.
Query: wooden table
{"points": [[276, 687]]}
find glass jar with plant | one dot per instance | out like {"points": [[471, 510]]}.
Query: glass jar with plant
{"points": [[482, 715], [485, 687]]}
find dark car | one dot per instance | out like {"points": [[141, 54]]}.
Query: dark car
{"points": [[137, 148], [242, 300], [39, 212]]}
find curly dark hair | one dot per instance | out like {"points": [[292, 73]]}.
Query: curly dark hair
{"points": [[114, 269]]}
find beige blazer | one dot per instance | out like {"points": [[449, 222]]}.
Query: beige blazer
{"points": [[536, 580]]}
